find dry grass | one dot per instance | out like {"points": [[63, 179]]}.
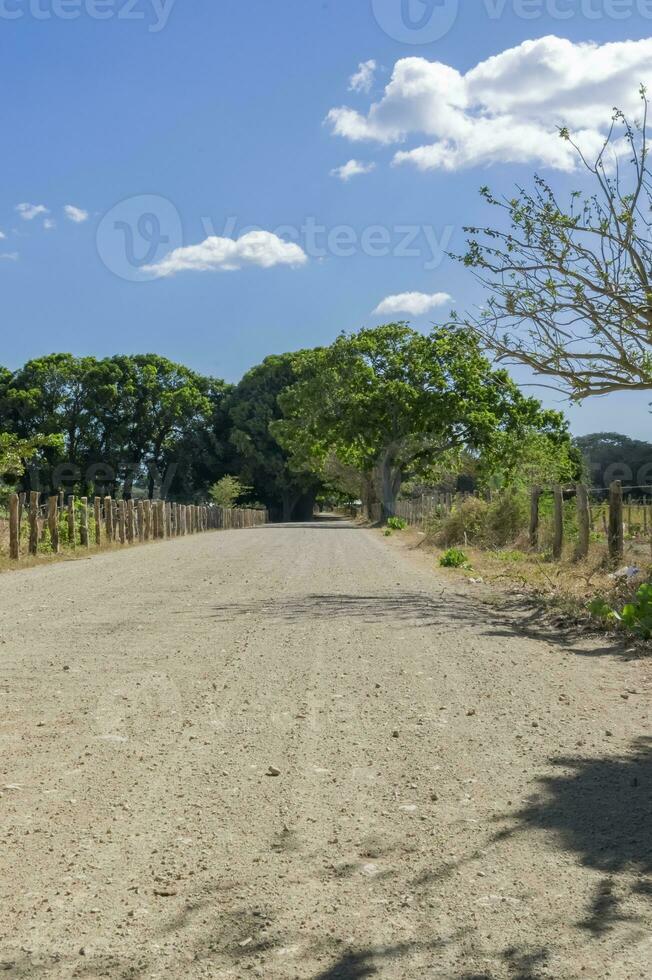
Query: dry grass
{"points": [[47, 558]]}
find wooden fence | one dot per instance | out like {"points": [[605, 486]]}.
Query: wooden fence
{"points": [[599, 515], [36, 526]]}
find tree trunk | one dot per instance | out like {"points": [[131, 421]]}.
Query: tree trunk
{"points": [[388, 484]]}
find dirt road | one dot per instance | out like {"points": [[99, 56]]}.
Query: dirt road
{"points": [[456, 797]]}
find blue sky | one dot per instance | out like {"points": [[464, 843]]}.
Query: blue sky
{"points": [[170, 121]]}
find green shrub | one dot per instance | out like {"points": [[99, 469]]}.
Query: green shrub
{"points": [[396, 523], [454, 558], [635, 617]]}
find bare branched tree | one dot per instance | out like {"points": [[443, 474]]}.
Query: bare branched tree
{"points": [[570, 290]]}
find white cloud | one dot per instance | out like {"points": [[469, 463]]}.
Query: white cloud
{"points": [[364, 77], [10, 256], [352, 169], [416, 304], [30, 211], [259, 248], [506, 109], [49, 224], [2, 235], [78, 215]]}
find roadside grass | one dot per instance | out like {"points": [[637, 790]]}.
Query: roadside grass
{"points": [[581, 591], [45, 556], [573, 593]]}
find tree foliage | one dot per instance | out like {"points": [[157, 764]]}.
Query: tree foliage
{"points": [[611, 456], [390, 401], [119, 419], [570, 287], [253, 407], [228, 491], [15, 453]]}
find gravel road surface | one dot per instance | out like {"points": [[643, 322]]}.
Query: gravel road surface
{"points": [[304, 752]]}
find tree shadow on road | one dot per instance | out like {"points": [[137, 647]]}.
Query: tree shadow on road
{"points": [[601, 810], [416, 608], [426, 610], [536, 621]]}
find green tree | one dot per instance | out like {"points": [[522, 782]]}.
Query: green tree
{"points": [[228, 491], [391, 402], [253, 407], [122, 419], [570, 288], [611, 456]]}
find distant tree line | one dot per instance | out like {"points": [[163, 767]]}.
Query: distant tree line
{"points": [[354, 420], [610, 456], [142, 424]]}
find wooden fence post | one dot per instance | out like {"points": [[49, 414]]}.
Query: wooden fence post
{"points": [[14, 527], [140, 507], [558, 531], [616, 530], [122, 522], [535, 496], [83, 528], [583, 521], [72, 535], [97, 514], [130, 520], [114, 507], [53, 522], [33, 522], [147, 506], [108, 518]]}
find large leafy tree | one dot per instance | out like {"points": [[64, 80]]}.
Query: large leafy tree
{"points": [[253, 408], [162, 404], [570, 285], [121, 419], [611, 456], [51, 396], [393, 402]]}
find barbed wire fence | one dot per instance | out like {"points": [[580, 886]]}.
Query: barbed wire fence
{"points": [[573, 521]]}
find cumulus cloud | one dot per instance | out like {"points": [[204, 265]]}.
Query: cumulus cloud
{"points": [[2, 235], [78, 215], [416, 304], [364, 77], [257, 248], [506, 109], [49, 224], [30, 211], [352, 169]]}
